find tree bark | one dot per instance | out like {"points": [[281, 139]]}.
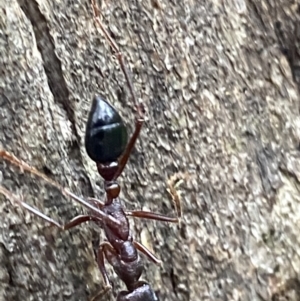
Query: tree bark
{"points": [[219, 80]]}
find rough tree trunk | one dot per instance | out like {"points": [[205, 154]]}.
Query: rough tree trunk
{"points": [[219, 81]]}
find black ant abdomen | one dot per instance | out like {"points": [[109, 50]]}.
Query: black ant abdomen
{"points": [[106, 135]]}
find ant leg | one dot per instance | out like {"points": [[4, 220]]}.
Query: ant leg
{"points": [[140, 109], [100, 260], [160, 217], [77, 220], [152, 215], [15, 199], [118, 54], [146, 252], [24, 166], [123, 160]]}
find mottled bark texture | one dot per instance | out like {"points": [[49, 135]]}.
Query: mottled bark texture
{"points": [[219, 81]]}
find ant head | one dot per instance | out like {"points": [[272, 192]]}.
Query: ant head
{"points": [[106, 135]]}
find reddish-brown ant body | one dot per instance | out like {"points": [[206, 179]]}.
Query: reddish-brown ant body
{"points": [[107, 144]]}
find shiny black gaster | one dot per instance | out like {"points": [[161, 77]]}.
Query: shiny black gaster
{"points": [[106, 134]]}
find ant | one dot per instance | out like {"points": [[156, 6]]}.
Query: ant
{"points": [[106, 143]]}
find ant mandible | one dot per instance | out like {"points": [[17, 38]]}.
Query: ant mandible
{"points": [[106, 143]]}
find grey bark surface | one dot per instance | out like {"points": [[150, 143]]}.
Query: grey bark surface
{"points": [[219, 82]]}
